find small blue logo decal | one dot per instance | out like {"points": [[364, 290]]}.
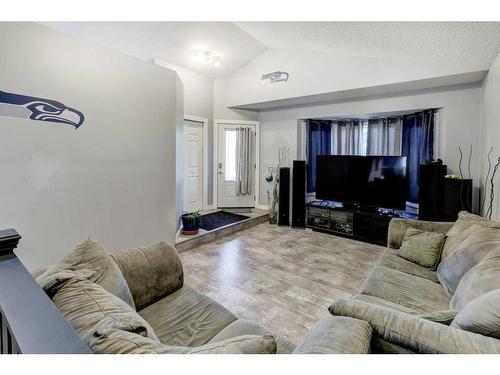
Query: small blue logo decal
{"points": [[15, 105], [274, 77]]}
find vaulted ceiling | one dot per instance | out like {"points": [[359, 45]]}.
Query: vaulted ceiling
{"points": [[472, 45], [173, 42]]}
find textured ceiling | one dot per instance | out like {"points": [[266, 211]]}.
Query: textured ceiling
{"points": [[173, 42], [467, 44], [470, 45]]}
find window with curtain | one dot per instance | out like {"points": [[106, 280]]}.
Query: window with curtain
{"points": [[411, 136], [319, 142], [417, 146]]}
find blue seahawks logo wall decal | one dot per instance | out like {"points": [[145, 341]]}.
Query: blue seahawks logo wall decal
{"points": [[29, 107]]}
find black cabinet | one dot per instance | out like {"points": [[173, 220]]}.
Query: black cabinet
{"points": [[457, 197], [332, 218], [371, 227], [441, 199]]}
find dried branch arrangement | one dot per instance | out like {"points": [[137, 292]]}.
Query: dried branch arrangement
{"points": [[272, 176]]}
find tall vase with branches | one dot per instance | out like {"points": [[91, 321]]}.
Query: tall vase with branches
{"points": [[272, 176]]}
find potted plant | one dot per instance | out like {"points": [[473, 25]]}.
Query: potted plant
{"points": [[191, 222]]}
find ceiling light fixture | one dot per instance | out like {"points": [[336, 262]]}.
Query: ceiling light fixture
{"points": [[207, 56]]}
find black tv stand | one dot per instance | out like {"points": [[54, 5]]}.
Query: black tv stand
{"points": [[368, 224]]}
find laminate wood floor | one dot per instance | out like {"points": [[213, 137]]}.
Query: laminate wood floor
{"points": [[282, 278]]}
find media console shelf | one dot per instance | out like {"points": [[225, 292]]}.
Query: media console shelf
{"points": [[332, 217]]}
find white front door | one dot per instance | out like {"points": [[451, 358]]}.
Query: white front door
{"points": [[193, 166], [226, 168]]}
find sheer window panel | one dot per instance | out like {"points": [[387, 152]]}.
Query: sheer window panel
{"points": [[230, 155]]}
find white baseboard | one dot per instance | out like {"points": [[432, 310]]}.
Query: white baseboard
{"points": [[261, 207]]}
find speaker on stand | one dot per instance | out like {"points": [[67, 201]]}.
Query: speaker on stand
{"points": [[431, 192], [299, 194], [284, 197]]}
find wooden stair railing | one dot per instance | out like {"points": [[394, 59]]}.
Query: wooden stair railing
{"points": [[29, 322]]}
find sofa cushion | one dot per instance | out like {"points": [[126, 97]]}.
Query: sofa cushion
{"points": [[88, 260], [443, 316], [469, 253], [187, 318], [465, 225], [481, 315], [413, 333], [384, 303], [399, 226], [337, 335], [390, 259], [113, 341], [479, 280], [88, 308], [151, 272], [244, 327], [414, 292], [422, 247]]}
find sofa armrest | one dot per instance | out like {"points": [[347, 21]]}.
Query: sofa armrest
{"points": [[151, 272], [337, 335], [398, 227], [413, 333]]}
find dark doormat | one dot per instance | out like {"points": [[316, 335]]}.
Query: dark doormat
{"points": [[219, 219]]}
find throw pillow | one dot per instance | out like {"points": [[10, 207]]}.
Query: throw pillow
{"points": [[422, 247], [152, 272], [481, 315], [468, 254], [115, 341], [89, 308], [481, 279], [465, 225], [88, 260]]}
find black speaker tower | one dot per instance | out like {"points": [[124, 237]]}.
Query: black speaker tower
{"points": [[431, 192], [284, 197], [299, 194]]}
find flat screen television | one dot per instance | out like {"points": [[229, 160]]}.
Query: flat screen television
{"points": [[373, 181]]}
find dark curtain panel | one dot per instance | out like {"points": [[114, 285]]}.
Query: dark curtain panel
{"points": [[417, 146], [319, 142]]}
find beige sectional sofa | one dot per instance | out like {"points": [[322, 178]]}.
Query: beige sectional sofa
{"points": [[455, 309], [135, 301]]}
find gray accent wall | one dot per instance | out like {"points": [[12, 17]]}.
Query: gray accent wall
{"points": [[112, 179]]}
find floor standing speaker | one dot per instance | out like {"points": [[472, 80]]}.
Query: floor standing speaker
{"points": [[431, 192], [299, 194], [284, 197], [457, 197]]}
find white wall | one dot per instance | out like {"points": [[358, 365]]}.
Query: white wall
{"points": [[313, 73], [490, 136], [179, 147], [459, 121], [207, 98], [114, 177], [221, 104], [199, 102], [198, 91]]}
